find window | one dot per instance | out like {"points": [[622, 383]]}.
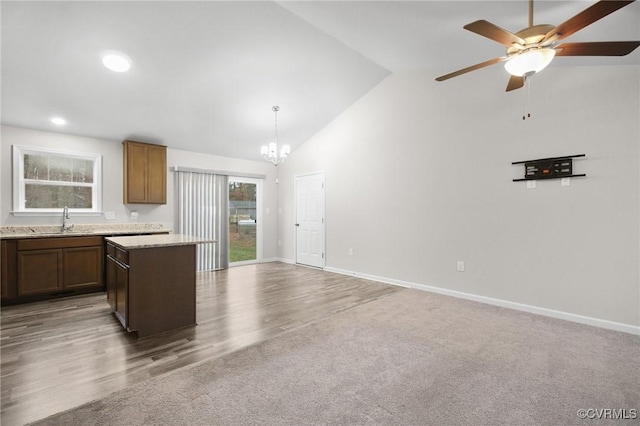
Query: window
{"points": [[45, 181]]}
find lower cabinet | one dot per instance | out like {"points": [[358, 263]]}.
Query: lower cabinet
{"points": [[8, 270], [117, 285], [39, 271], [82, 266], [41, 268], [152, 289], [110, 266], [122, 293]]}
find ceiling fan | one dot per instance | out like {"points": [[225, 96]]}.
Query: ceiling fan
{"points": [[530, 50]]}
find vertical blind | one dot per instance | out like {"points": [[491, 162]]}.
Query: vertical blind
{"points": [[203, 200]]}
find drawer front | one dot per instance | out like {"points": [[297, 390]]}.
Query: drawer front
{"points": [[111, 250], [122, 255], [58, 242]]}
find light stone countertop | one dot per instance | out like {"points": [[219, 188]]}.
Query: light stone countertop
{"points": [[80, 230], [147, 241]]}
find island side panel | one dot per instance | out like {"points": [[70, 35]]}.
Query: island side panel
{"points": [[162, 288]]}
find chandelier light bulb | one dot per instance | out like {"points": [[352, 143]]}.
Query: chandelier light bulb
{"points": [[273, 150]]}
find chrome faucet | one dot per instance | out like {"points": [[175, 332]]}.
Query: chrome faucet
{"points": [[66, 226]]}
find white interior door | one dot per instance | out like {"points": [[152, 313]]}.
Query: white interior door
{"points": [[310, 220]]}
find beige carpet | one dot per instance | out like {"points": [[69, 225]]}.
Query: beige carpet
{"points": [[412, 358]]}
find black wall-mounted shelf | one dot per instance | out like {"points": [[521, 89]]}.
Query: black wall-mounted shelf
{"points": [[549, 168]]}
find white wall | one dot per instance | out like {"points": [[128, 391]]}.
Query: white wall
{"points": [[419, 175], [112, 181]]}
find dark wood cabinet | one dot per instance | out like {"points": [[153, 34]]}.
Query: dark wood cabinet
{"points": [[118, 282], [111, 270], [152, 289], [40, 268], [82, 267], [8, 269], [122, 292], [145, 173], [39, 271]]}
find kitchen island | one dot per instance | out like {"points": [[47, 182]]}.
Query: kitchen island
{"points": [[151, 281]]}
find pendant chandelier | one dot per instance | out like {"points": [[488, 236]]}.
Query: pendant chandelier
{"points": [[270, 152]]}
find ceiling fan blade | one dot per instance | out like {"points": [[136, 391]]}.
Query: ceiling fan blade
{"points": [[515, 82], [601, 48], [494, 32], [587, 17], [472, 68]]}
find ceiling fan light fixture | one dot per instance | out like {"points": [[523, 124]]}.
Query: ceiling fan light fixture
{"points": [[529, 62]]}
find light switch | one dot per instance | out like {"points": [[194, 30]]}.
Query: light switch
{"points": [[531, 184], [565, 182]]}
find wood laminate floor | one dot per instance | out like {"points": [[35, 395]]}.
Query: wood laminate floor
{"points": [[59, 354]]}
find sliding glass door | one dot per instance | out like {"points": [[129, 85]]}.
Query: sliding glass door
{"points": [[245, 230]]}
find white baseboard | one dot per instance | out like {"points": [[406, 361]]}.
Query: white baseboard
{"points": [[596, 322], [278, 259]]}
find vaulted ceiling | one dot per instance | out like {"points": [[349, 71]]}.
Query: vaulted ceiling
{"points": [[205, 74]]}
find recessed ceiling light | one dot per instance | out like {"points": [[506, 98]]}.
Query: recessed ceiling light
{"points": [[58, 121], [116, 61]]}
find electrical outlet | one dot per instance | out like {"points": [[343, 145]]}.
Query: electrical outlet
{"points": [[350, 252], [460, 266]]}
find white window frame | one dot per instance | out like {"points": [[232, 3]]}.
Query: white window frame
{"points": [[19, 182]]}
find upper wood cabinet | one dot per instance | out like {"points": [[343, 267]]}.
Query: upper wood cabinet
{"points": [[145, 173]]}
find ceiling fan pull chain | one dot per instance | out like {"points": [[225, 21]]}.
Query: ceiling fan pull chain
{"points": [[528, 83], [524, 105], [527, 98], [524, 100]]}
